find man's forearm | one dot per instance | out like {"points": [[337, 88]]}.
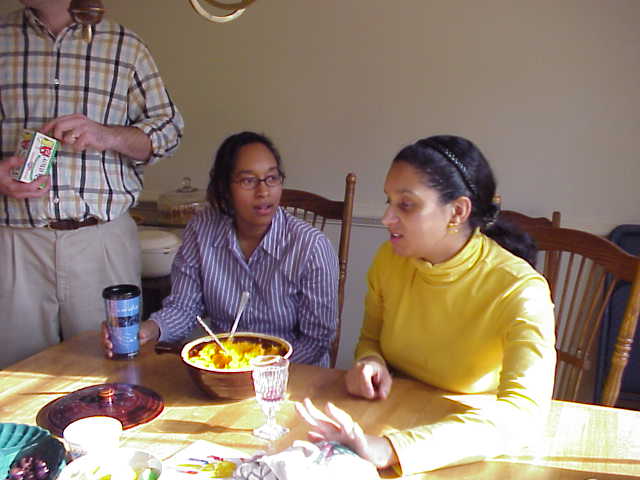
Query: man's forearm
{"points": [[130, 141]]}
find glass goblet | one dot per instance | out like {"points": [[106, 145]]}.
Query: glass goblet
{"points": [[270, 375]]}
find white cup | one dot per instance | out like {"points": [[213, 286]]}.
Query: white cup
{"points": [[92, 434]]}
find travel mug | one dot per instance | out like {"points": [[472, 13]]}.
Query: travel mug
{"points": [[122, 304]]}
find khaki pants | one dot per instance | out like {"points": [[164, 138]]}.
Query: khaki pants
{"points": [[51, 282]]}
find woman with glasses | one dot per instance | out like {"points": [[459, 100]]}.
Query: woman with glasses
{"points": [[246, 242], [453, 302]]}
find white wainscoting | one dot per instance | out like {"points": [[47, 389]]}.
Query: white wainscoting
{"points": [[367, 234]]}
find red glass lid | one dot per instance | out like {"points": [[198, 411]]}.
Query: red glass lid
{"points": [[131, 404]]}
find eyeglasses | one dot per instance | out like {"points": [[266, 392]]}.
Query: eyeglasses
{"points": [[251, 183]]}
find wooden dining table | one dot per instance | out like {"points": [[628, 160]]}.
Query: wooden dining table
{"points": [[580, 441]]}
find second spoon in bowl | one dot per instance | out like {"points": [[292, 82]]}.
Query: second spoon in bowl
{"points": [[244, 299]]}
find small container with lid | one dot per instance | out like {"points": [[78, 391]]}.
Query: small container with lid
{"points": [[92, 434], [122, 305], [178, 206]]}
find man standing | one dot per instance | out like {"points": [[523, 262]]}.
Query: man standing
{"points": [[65, 237]]}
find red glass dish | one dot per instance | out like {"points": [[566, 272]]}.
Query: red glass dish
{"points": [[131, 404]]}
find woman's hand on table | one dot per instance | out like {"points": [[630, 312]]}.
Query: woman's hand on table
{"points": [[336, 425], [149, 331], [369, 378]]}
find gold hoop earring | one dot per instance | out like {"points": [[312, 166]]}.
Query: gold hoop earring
{"points": [[452, 228]]}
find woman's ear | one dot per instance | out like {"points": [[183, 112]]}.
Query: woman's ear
{"points": [[461, 207]]}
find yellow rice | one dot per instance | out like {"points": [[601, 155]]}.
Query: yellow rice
{"points": [[240, 354]]}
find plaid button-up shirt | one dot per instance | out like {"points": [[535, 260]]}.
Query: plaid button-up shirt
{"points": [[112, 80]]}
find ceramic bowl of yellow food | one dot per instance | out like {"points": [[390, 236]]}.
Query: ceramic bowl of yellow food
{"points": [[229, 376]]}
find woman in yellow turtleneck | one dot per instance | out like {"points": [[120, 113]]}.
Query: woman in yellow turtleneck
{"points": [[451, 303]]}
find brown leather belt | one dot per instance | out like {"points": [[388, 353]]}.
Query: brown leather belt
{"points": [[71, 224]]}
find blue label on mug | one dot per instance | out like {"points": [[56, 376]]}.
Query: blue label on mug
{"points": [[123, 313], [125, 339], [123, 308]]}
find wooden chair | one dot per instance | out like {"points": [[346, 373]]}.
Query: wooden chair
{"points": [[317, 210], [525, 222], [582, 278]]}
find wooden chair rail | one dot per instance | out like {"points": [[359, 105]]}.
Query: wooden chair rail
{"points": [[582, 270], [316, 209], [301, 200], [525, 222], [586, 244], [582, 278]]}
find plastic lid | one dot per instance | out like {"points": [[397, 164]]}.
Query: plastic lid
{"points": [[157, 239], [121, 292], [131, 404]]}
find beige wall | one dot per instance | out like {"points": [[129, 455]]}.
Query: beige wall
{"points": [[548, 89]]}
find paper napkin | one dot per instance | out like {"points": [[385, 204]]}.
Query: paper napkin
{"points": [[203, 460]]}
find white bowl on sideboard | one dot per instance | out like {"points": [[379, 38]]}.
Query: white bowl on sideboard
{"points": [[158, 248]]}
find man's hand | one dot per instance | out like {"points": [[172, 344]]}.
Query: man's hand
{"points": [[11, 187], [80, 133], [369, 378]]}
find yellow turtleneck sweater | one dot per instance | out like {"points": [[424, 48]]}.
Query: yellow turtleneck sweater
{"points": [[479, 322]]}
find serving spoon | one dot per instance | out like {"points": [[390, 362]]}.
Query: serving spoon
{"points": [[244, 299], [211, 334]]}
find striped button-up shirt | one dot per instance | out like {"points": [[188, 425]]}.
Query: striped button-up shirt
{"points": [[112, 80], [292, 279]]}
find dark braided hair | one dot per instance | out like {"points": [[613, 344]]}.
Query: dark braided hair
{"points": [[455, 167]]}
